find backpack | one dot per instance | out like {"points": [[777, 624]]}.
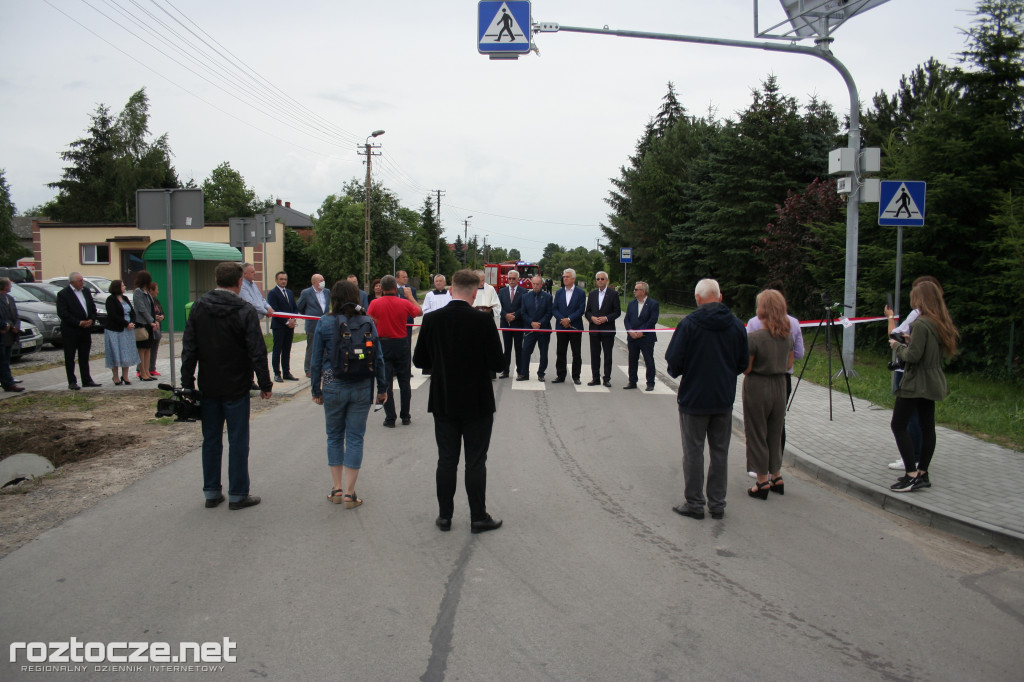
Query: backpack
{"points": [[354, 357]]}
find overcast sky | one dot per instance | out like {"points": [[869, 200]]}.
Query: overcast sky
{"points": [[525, 147]]}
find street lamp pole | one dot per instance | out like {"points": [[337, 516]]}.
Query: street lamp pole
{"points": [[368, 151]]}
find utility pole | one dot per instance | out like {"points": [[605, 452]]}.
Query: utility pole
{"points": [[465, 241], [369, 153], [437, 242]]}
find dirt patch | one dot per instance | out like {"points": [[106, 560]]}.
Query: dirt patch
{"points": [[99, 444]]}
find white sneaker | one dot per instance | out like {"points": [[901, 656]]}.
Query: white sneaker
{"points": [[898, 465], [752, 474]]}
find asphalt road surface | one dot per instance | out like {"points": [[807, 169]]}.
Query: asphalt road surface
{"points": [[592, 577]]}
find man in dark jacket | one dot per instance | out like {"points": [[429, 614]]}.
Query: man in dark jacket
{"points": [[461, 347], [223, 337], [77, 314], [708, 351]]}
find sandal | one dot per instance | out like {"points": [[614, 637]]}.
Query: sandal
{"points": [[336, 497], [778, 485], [760, 490], [351, 501]]}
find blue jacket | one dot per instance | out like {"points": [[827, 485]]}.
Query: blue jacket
{"points": [[646, 320], [513, 306], [281, 303], [708, 351], [574, 311], [537, 308], [323, 348]]}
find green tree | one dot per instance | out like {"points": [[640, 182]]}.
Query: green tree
{"points": [[108, 165], [299, 262], [225, 196], [10, 248]]}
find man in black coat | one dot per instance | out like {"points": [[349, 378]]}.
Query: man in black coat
{"points": [[511, 299], [223, 337], [602, 310], [77, 314], [461, 347], [282, 300]]}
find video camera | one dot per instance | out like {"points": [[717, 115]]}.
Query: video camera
{"points": [[184, 406]]}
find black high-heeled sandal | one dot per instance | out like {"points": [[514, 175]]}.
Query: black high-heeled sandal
{"points": [[778, 485], [760, 490]]}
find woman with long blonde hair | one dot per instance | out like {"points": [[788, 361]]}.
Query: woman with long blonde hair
{"points": [[932, 338], [764, 393]]}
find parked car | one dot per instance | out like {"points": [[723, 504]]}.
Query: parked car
{"points": [[42, 315], [44, 291], [17, 274], [100, 288], [29, 340]]}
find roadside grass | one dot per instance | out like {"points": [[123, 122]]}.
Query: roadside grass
{"points": [[671, 314], [982, 407], [268, 339], [32, 400]]}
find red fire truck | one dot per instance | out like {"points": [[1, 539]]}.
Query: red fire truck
{"points": [[496, 274]]}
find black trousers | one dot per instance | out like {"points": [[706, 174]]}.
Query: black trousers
{"points": [[80, 343], [451, 433], [513, 342], [601, 343], [635, 348], [901, 414], [532, 340], [281, 358], [568, 338], [397, 364]]}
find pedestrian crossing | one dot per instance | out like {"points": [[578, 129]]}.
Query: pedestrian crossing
{"points": [[619, 379]]}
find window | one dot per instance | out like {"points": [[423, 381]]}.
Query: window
{"points": [[95, 254]]}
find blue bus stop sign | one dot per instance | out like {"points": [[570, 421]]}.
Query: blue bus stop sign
{"points": [[626, 254], [503, 26]]}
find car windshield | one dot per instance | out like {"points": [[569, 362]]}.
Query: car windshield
{"points": [[102, 283], [21, 296], [44, 292]]}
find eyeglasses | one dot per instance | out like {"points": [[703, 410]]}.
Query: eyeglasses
{"points": [[600, 279], [638, 288]]}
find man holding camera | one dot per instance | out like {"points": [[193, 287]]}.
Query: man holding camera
{"points": [[223, 337]]}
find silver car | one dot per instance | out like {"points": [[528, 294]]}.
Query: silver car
{"points": [[34, 311], [29, 340]]}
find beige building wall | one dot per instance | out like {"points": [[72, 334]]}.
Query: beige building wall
{"points": [[106, 250]]}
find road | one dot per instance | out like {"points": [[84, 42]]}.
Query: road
{"points": [[592, 577]]}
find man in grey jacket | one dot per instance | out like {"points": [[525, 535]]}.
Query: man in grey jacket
{"points": [[224, 339]]}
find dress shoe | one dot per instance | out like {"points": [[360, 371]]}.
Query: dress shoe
{"points": [[289, 377], [629, 386], [540, 378], [718, 515], [595, 382], [154, 373], [650, 387], [558, 380], [503, 375], [683, 510], [406, 421], [249, 501], [73, 387], [485, 525], [278, 379], [92, 384], [443, 523], [13, 389], [522, 377], [213, 502], [389, 423], [16, 381], [577, 381], [607, 383]]}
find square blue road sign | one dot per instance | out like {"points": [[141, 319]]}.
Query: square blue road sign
{"points": [[901, 202], [503, 26]]}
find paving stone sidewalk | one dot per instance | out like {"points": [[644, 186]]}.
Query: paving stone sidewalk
{"points": [[975, 491]]}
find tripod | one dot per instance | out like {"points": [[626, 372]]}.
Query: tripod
{"points": [[831, 337]]}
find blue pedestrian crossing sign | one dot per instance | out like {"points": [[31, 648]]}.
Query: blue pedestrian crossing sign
{"points": [[503, 26], [901, 202]]}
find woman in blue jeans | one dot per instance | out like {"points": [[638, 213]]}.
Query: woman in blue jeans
{"points": [[346, 400]]}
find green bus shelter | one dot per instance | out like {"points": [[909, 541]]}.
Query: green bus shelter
{"points": [[192, 271]]}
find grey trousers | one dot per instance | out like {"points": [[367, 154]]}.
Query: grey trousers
{"points": [[764, 418], [716, 429]]}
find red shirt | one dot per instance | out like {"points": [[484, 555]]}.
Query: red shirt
{"points": [[391, 313]]}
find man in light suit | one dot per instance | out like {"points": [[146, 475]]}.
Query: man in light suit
{"points": [[282, 300], [77, 314], [641, 313], [511, 300], [536, 315], [568, 306], [602, 310], [313, 300], [461, 347]]}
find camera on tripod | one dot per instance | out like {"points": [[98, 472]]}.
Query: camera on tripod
{"points": [[184, 406], [897, 364]]}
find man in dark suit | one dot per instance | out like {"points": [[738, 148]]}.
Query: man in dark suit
{"points": [[313, 301], [568, 306], [9, 330], [364, 300], [602, 310], [282, 300], [511, 299], [461, 347], [536, 315], [641, 313], [77, 314]]}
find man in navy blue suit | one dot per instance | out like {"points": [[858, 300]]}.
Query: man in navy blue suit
{"points": [[641, 314], [567, 307], [602, 310], [536, 315], [511, 299], [282, 300]]}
